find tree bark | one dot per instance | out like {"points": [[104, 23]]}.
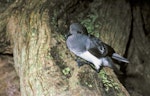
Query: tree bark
{"points": [[29, 33]]}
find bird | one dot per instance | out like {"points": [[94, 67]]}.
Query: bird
{"points": [[91, 48]]}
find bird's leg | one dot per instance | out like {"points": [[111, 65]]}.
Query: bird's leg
{"points": [[93, 67], [79, 62]]}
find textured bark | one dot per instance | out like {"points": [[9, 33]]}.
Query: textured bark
{"points": [[29, 34]]}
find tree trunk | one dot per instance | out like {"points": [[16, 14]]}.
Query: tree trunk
{"points": [[29, 33], [34, 33]]}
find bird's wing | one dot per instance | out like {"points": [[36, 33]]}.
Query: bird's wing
{"points": [[96, 47]]}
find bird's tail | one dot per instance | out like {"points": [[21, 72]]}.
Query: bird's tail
{"points": [[119, 58]]}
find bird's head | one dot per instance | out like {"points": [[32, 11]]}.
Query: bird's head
{"points": [[76, 28]]}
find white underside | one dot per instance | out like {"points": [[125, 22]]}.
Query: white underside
{"points": [[89, 57], [96, 61]]}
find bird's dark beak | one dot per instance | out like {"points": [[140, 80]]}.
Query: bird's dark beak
{"points": [[67, 35]]}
